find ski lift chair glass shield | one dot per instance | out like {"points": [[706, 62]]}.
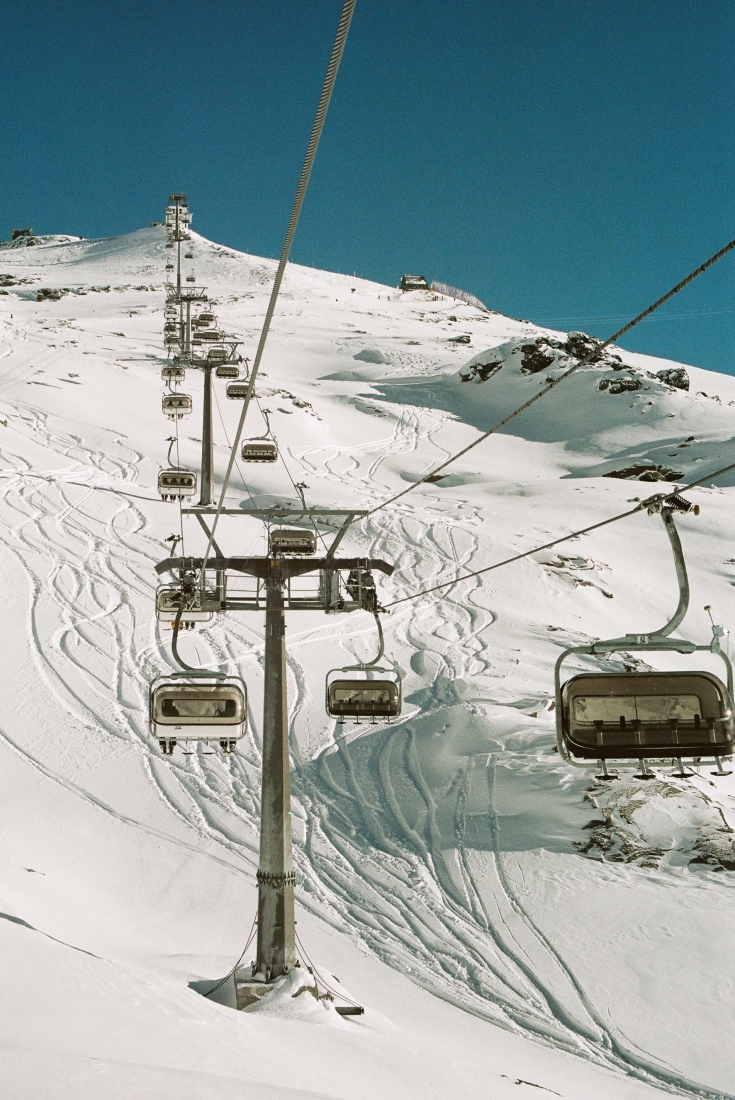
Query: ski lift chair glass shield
{"points": [[259, 450], [238, 391], [646, 715], [362, 698], [291, 540], [185, 709], [176, 405]]}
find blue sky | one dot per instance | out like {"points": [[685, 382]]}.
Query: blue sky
{"points": [[565, 160]]}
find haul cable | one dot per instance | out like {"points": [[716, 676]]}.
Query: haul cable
{"points": [[337, 51], [563, 538], [594, 354]]}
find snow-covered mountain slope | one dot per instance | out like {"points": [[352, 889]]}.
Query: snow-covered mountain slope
{"points": [[510, 926]]}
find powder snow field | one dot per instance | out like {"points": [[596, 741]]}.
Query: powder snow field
{"points": [[513, 929]]}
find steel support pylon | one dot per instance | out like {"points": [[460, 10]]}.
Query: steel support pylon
{"points": [[276, 953], [207, 447]]}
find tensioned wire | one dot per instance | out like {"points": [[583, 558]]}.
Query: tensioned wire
{"points": [[563, 538], [316, 132], [592, 355]]}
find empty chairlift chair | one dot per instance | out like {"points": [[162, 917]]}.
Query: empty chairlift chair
{"points": [[176, 405], [205, 318], [184, 709], [173, 374], [365, 690], [238, 391], [259, 450], [647, 714], [291, 540], [176, 484], [228, 370], [217, 355], [644, 716]]}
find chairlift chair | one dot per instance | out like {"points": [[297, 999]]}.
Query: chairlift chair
{"points": [[188, 255], [209, 336], [217, 355], [228, 370], [360, 696], [259, 450], [173, 374], [175, 484], [191, 278], [205, 318], [171, 341], [186, 708], [169, 244], [176, 405], [262, 448], [169, 267], [168, 601], [643, 716], [291, 540], [170, 328], [238, 391]]}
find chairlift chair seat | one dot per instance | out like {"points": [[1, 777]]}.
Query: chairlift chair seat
{"points": [[646, 715], [227, 370], [217, 355], [197, 710], [292, 540], [176, 405], [205, 319], [259, 450]]}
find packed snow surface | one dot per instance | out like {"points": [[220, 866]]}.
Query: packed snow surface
{"points": [[513, 927]]}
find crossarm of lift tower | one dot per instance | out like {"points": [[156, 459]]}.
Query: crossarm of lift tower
{"points": [[267, 567]]}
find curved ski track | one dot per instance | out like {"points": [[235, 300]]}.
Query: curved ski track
{"points": [[375, 860]]}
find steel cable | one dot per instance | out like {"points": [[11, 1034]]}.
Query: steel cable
{"points": [[547, 389], [563, 538], [337, 51]]}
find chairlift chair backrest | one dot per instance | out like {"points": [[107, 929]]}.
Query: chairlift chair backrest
{"points": [[205, 319], [198, 711], [291, 540], [177, 484], [259, 450], [217, 355], [176, 405], [228, 370], [209, 335], [173, 374]]}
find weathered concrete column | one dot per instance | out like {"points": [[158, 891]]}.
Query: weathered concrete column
{"points": [[276, 952]]}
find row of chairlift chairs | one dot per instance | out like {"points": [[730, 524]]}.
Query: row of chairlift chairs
{"points": [[683, 717], [600, 716], [176, 483], [205, 707]]}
